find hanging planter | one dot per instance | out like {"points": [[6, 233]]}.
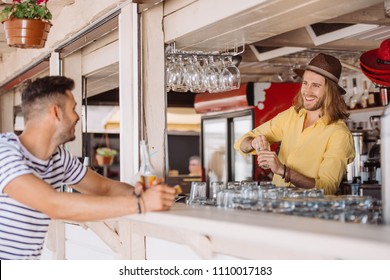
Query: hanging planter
{"points": [[26, 33], [105, 156], [26, 23]]}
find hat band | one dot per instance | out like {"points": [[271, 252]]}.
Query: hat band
{"points": [[323, 73], [381, 61]]}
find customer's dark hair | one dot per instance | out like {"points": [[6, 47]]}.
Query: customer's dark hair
{"points": [[36, 93]]}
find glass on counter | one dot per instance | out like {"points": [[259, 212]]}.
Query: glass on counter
{"points": [[265, 197], [198, 193]]}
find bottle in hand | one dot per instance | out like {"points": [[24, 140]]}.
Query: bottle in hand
{"points": [[147, 173]]}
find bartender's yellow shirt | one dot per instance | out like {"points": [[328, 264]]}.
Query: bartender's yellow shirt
{"points": [[320, 151]]}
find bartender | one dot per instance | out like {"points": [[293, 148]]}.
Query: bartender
{"points": [[316, 145]]}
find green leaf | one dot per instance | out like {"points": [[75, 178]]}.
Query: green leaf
{"points": [[106, 151], [28, 9]]}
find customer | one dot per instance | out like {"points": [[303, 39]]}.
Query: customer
{"points": [[316, 145], [195, 166], [35, 165]]}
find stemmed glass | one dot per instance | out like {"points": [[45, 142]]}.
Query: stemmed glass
{"points": [[210, 78], [201, 86], [169, 72], [236, 75], [213, 78], [216, 73], [225, 78], [178, 76], [194, 71]]}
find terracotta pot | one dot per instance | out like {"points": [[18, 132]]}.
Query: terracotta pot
{"points": [[26, 33], [104, 160]]}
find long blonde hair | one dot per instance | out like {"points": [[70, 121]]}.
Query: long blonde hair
{"points": [[333, 108]]}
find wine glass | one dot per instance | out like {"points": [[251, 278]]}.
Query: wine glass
{"points": [[214, 85], [210, 78], [225, 78], [192, 78], [179, 73], [170, 65], [236, 75]]}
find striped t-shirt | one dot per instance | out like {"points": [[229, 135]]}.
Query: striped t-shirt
{"points": [[23, 229]]}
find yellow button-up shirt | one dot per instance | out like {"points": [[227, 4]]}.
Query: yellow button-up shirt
{"points": [[319, 151]]}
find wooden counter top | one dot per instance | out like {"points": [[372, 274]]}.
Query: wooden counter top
{"points": [[257, 235]]}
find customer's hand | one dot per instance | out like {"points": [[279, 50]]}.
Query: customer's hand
{"points": [[159, 197]]}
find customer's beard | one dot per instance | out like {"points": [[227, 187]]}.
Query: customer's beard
{"points": [[67, 136]]}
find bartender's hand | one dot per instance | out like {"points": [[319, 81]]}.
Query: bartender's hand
{"points": [[160, 197], [271, 160], [260, 143]]}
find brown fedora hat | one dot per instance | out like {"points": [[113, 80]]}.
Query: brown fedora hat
{"points": [[325, 65], [378, 60]]}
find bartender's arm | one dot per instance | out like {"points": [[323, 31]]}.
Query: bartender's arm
{"points": [[270, 158], [257, 143]]}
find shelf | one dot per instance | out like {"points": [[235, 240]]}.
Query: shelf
{"points": [[370, 109]]}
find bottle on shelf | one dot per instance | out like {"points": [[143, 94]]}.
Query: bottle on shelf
{"points": [[374, 98], [354, 102], [371, 96], [384, 96], [345, 87], [147, 173], [364, 97]]}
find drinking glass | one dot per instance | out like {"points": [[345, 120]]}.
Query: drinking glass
{"points": [[228, 198], [196, 81], [258, 150], [215, 187], [213, 75], [198, 193], [179, 73], [231, 198], [249, 192], [234, 185], [191, 77], [225, 77], [171, 64], [236, 76]]}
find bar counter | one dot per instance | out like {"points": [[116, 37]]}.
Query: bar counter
{"points": [[204, 232]]}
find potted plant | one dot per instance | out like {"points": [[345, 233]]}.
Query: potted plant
{"points": [[105, 156], [26, 23]]}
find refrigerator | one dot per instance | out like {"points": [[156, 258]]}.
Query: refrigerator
{"points": [[219, 159]]}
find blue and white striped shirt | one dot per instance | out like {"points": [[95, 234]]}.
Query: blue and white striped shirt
{"points": [[23, 229]]}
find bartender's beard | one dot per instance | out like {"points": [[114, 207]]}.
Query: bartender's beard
{"points": [[313, 107]]}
